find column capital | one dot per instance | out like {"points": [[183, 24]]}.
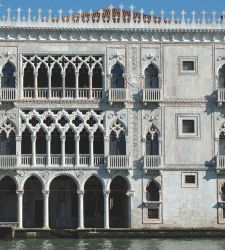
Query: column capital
{"points": [[91, 137], [18, 138], [62, 137], [45, 192], [130, 193], [48, 137], [77, 137], [33, 137], [105, 192], [106, 138], [20, 192], [80, 192]]}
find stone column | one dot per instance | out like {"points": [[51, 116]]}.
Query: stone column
{"points": [[18, 149], [46, 209], [77, 84], [49, 85], [91, 149], [48, 141], [20, 89], [77, 141], [106, 209], [90, 84], [130, 196], [63, 140], [33, 139], [103, 85], [106, 146], [20, 208], [80, 209], [35, 85], [63, 84]]}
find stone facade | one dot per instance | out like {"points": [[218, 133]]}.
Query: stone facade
{"points": [[187, 171]]}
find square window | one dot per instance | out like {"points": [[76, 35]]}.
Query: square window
{"points": [[189, 180], [153, 213], [188, 65], [188, 126]]}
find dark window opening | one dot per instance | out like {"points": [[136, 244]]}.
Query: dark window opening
{"points": [[26, 142], [55, 142], [188, 126], [222, 144], [117, 145], [84, 142], [8, 78], [153, 213], [152, 193], [83, 77], [70, 142], [28, 78], [152, 144], [117, 80], [70, 77], [42, 77], [151, 77], [222, 77], [98, 142], [223, 193], [56, 79], [97, 77], [188, 65], [190, 179], [7, 144], [41, 142]]}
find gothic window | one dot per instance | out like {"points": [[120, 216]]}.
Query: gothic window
{"points": [[84, 142], [222, 144], [223, 193], [55, 142], [41, 142], [98, 142], [222, 77], [151, 77], [152, 192], [70, 142], [70, 77], [26, 142], [152, 142], [42, 76], [117, 76], [8, 78], [56, 79], [28, 78], [83, 77], [97, 77], [7, 143]]}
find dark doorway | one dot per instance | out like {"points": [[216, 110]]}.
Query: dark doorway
{"points": [[38, 213], [93, 203], [118, 203]]}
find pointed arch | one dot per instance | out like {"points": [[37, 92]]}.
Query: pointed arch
{"points": [[152, 76], [55, 142], [28, 76], [56, 76], [84, 141], [221, 74], [117, 76], [8, 78], [152, 191], [41, 147], [42, 76], [70, 76], [7, 140], [97, 77], [152, 141], [98, 142], [83, 81]]}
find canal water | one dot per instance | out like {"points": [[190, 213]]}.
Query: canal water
{"points": [[111, 244]]}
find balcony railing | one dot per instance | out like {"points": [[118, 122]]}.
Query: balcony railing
{"points": [[151, 95], [8, 161], [8, 94], [118, 95], [221, 95], [152, 162], [118, 162], [220, 162]]}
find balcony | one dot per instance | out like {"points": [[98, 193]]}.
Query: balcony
{"points": [[118, 162], [221, 96], [118, 95], [8, 94], [10, 161], [151, 95], [152, 162], [59, 93], [220, 162]]}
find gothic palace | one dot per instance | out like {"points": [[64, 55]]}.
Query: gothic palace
{"points": [[112, 119]]}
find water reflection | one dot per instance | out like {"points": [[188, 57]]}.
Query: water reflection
{"points": [[112, 244]]}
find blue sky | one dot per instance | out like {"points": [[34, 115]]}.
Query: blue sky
{"points": [[148, 5]]}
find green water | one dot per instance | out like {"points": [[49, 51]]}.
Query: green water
{"points": [[111, 244]]}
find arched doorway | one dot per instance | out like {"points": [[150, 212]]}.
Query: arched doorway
{"points": [[33, 204], [93, 203], [118, 203], [8, 200], [63, 204]]}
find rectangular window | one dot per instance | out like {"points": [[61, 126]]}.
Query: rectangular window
{"points": [[188, 126], [190, 179], [153, 213], [188, 65]]}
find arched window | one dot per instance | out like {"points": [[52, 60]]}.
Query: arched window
{"points": [[222, 144], [7, 143], [97, 77], [98, 142], [83, 77], [42, 76], [152, 192], [55, 142], [70, 142], [8, 78], [117, 76], [117, 144], [56, 79], [70, 77], [151, 77], [84, 142], [223, 193], [28, 77], [41, 142], [222, 77], [26, 145], [152, 142]]}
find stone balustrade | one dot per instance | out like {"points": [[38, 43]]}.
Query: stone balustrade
{"points": [[118, 162], [118, 95], [8, 94], [151, 95], [152, 162], [221, 95], [220, 162]]}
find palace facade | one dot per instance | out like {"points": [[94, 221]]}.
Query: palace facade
{"points": [[112, 119]]}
